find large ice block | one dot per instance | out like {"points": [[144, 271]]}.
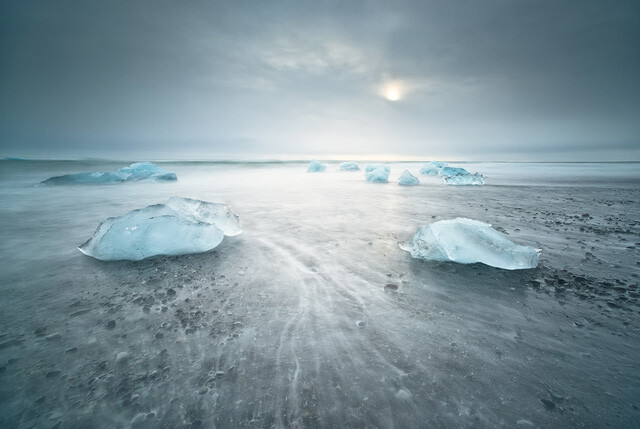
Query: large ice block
{"points": [[180, 226], [468, 241]]}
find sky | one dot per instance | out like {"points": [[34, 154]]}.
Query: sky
{"points": [[502, 80]]}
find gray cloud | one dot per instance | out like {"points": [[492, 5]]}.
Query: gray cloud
{"points": [[506, 79]]}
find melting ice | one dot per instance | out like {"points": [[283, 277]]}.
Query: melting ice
{"points": [[135, 172], [316, 167], [180, 226], [349, 166], [468, 241], [464, 179], [408, 179], [377, 173]]}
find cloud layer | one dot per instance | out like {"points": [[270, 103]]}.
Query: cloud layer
{"points": [[469, 80]]}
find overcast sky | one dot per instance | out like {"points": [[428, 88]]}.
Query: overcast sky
{"points": [[465, 80]]}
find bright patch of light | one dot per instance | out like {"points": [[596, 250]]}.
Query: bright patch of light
{"points": [[393, 90], [393, 94]]}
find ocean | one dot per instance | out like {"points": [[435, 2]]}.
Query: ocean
{"points": [[313, 316]]}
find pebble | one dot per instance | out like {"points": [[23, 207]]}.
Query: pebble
{"points": [[390, 286], [79, 313], [53, 374], [403, 395], [10, 343], [53, 337], [122, 358], [138, 419], [548, 403], [203, 390], [39, 332]]}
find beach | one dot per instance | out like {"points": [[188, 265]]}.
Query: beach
{"points": [[313, 316]]}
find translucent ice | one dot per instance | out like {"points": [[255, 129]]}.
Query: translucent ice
{"points": [[349, 166], [407, 179], [464, 179], [379, 174], [432, 168], [468, 241], [316, 167], [452, 171], [180, 226], [135, 172], [370, 167]]}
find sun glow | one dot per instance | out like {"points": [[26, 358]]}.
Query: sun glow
{"points": [[392, 91], [392, 94]]}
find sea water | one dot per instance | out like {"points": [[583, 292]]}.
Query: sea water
{"points": [[313, 317]]}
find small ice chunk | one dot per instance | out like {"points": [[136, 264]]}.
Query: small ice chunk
{"points": [[432, 168], [408, 179], [349, 166], [133, 173], [370, 167], [379, 174], [468, 241], [316, 167], [464, 179], [180, 226], [145, 170], [452, 171], [403, 395]]}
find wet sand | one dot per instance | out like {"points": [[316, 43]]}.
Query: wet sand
{"points": [[313, 317]]}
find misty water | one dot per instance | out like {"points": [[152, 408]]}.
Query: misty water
{"points": [[313, 317]]}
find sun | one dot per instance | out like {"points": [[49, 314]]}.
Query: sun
{"points": [[392, 94], [392, 90]]}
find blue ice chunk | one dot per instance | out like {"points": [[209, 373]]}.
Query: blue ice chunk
{"points": [[316, 167], [468, 241], [452, 171], [432, 168], [135, 172], [349, 166], [145, 170], [379, 174], [464, 179], [180, 226], [370, 167], [408, 179]]}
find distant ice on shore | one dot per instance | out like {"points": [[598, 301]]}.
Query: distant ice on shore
{"points": [[349, 166], [464, 179], [408, 179], [432, 168], [377, 173], [316, 167], [133, 173]]}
